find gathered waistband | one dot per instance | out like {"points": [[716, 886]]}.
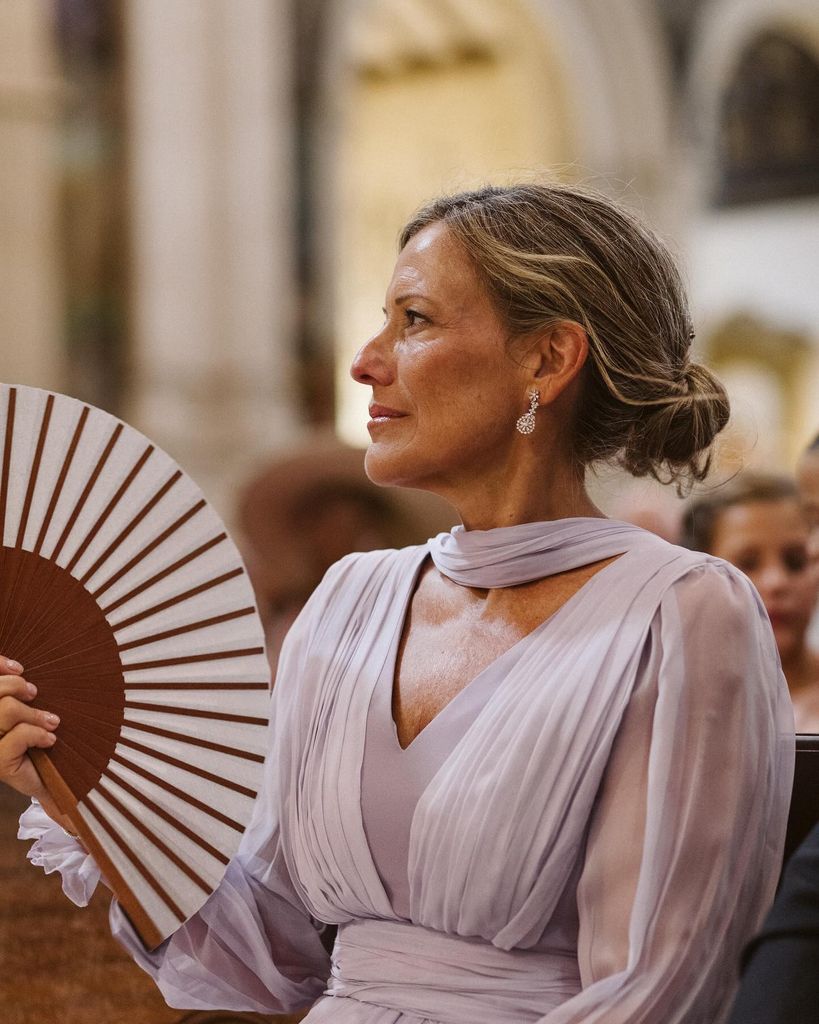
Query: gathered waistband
{"points": [[447, 978]]}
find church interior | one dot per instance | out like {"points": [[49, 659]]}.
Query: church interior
{"points": [[200, 205]]}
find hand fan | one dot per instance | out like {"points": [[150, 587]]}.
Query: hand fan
{"points": [[129, 608]]}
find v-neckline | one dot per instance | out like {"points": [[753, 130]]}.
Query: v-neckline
{"points": [[510, 654]]}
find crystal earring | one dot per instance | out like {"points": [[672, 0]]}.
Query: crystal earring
{"points": [[526, 423]]}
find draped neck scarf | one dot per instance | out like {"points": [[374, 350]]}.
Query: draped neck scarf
{"points": [[508, 555]]}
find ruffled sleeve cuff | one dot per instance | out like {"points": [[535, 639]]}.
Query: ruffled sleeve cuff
{"points": [[55, 850]]}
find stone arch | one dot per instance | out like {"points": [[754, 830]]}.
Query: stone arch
{"points": [[769, 123], [725, 32], [764, 368]]}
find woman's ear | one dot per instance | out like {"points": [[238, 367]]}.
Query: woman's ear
{"points": [[557, 357]]}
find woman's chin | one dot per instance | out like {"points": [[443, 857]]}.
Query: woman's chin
{"points": [[379, 465], [387, 467]]}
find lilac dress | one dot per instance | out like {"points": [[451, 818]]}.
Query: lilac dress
{"points": [[589, 832]]}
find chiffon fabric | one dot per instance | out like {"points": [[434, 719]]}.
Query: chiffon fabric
{"points": [[589, 832]]}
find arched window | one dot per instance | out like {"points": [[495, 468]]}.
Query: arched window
{"points": [[769, 124]]}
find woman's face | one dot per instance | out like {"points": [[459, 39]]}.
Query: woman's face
{"points": [[768, 541], [445, 393]]}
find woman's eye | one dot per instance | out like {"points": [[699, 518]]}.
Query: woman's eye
{"points": [[413, 317]]}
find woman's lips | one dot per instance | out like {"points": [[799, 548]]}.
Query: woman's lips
{"points": [[383, 414]]}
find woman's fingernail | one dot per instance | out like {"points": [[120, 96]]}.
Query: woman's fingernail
{"points": [[52, 719], [52, 739], [15, 666], [31, 689]]}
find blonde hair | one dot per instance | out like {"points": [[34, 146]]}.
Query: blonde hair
{"points": [[550, 253]]}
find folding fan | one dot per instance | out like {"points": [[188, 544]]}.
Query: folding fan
{"points": [[129, 608]]}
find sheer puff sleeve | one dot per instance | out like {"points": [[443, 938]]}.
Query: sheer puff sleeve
{"points": [[253, 945], [701, 770]]}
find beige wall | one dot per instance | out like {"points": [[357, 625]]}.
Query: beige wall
{"points": [[30, 303], [212, 233]]}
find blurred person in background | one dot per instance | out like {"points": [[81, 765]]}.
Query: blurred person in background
{"points": [[780, 980], [758, 523], [301, 513]]}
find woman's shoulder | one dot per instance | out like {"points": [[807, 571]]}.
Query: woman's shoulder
{"points": [[356, 579], [365, 568], [692, 572]]}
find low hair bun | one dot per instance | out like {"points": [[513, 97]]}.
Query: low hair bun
{"points": [[672, 440]]}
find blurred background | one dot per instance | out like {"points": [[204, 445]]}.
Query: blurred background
{"points": [[199, 199]]}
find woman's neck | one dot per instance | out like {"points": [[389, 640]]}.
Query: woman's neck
{"points": [[533, 493]]}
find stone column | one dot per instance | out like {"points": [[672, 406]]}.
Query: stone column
{"points": [[212, 232], [31, 349]]}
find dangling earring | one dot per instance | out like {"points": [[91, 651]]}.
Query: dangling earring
{"points": [[526, 423]]}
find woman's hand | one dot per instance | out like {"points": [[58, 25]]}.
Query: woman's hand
{"points": [[22, 728]]}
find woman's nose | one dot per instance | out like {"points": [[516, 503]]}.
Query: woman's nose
{"points": [[371, 364]]}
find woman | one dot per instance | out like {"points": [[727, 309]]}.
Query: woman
{"points": [[537, 769], [758, 523]]}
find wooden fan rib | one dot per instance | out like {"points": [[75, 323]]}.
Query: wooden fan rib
{"points": [[67, 636], [153, 882], [87, 743], [149, 505], [190, 659], [109, 508], [58, 487], [144, 552], [57, 609], [180, 794], [58, 614], [189, 627], [68, 804], [197, 686], [79, 692], [177, 599], [78, 770], [15, 576], [89, 486], [7, 449], [170, 709], [196, 741], [35, 471], [219, 780], [160, 812], [154, 840], [108, 705], [94, 668], [93, 731]]}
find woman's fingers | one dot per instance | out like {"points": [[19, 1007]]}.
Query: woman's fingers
{"points": [[16, 686], [13, 712], [22, 728], [16, 768], [12, 683]]}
